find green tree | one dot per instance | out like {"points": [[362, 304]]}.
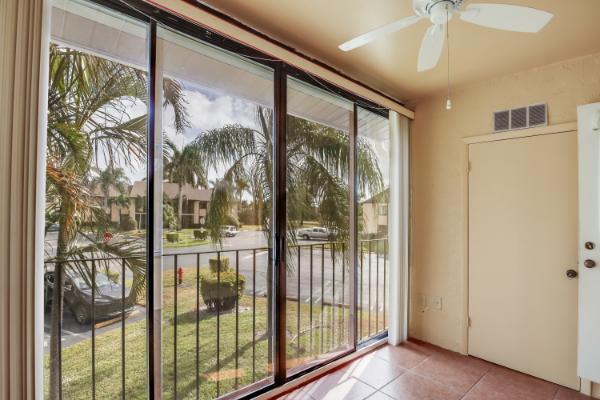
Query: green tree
{"points": [[183, 167], [110, 177], [317, 170], [90, 123]]}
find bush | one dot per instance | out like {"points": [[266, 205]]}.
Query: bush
{"points": [[213, 262], [128, 224], [220, 293], [200, 234], [173, 237]]}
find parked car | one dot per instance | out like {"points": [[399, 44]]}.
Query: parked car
{"points": [[229, 231], [317, 232], [78, 296]]}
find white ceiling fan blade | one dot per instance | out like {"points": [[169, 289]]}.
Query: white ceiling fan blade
{"points": [[379, 32], [506, 17], [431, 47]]}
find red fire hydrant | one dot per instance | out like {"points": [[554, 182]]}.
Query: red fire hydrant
{"points": [[180, 276]]}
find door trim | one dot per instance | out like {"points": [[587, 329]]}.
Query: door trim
{"points": [[463, 345]]}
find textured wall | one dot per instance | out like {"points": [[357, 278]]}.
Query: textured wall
{"points": [[438, 242]]}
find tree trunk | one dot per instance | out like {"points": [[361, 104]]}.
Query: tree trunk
{"points": [[180, 208], [56, 311]]}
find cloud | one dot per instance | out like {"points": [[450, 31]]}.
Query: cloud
{"points": [[209, 110]]}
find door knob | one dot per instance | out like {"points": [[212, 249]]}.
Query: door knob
{"points": [[589, 263], [571, 273]]}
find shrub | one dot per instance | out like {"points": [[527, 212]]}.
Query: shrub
{"points": [[213, 262], [220, 293], [173, 237], [200, 234], [128, 224]]}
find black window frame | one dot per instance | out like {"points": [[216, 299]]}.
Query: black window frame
{"points": [[154, 17]]}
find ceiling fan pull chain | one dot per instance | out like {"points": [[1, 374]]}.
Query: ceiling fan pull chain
{"points": [[448, 101]]}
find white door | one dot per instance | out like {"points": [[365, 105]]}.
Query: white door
{"points": [[522, 241], [589, 244]]}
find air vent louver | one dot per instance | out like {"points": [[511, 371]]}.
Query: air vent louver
{"points": [[518, 118], [501, 121], [538, 115], [521, 118]]}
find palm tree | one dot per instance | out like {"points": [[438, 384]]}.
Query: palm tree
{"points": [[317, 170], [90, 122], [183, 167], [110, 177]]}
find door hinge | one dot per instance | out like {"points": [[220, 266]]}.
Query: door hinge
{"points": [[469, 167], [469, 321]]}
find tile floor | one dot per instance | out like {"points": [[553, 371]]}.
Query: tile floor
{"points": [[420, 371]]}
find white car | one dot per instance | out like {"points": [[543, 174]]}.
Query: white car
{"points": [[229, 231], [318, 232]]}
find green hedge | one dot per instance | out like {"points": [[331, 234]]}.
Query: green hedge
{"points": [[220, 292], [173, 237], [213, 262], [200, 234]]}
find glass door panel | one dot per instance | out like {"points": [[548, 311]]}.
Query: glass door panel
{"points": [[318, 225], [217, 132], [95, 244], [373, 159]]}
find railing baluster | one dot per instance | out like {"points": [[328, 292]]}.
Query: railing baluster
{"points": [[369, 290], [299, 304], [360, 299], [218, 323], [198, 326], [123, 329], [58, 285], [312, 350], [377, 286], [93, 330], [322, 294], [384, 277], [237, 317], [175, 327], [254, 315], [343, 325], [333, 305]]}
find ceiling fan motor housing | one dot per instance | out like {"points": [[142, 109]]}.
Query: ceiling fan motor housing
{"points": [[435, 10]]}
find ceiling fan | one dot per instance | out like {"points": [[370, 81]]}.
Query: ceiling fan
{"points": [[440, 12]]}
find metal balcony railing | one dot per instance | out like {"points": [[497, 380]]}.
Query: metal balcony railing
{"points": [[318, 282]]}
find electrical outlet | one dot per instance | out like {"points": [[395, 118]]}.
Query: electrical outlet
{"points": [[436, 303]]}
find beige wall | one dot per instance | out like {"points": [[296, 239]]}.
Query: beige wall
{"points": [[438, 247]]}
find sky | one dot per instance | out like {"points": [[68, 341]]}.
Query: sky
{"points": [[209, 109]]}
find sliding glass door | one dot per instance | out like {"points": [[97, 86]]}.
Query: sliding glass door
{"points": [[217, 134], [373, 171], [216, 220], [95, 241], [318, 188]]}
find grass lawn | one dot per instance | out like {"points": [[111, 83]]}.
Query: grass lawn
{"points": [[252, 364]]}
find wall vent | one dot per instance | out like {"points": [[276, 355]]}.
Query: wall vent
{"points": [[521, 118], [501, 121], [538, 115], [518, 118]]}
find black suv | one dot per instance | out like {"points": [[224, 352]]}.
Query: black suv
{"points": [[78, 296]]}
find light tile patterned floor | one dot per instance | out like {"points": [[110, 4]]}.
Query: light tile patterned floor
{"points": [[420, 371]]}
